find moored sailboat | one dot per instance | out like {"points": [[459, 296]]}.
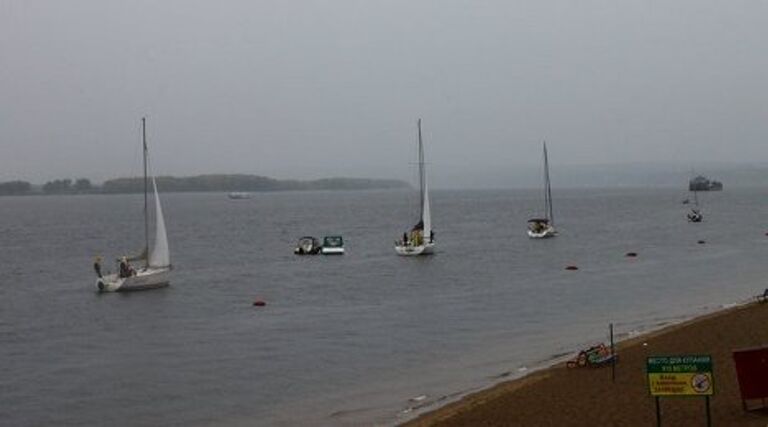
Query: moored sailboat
{"points": [[155, 273], [695, 214], [542, 228], [421, 238]]}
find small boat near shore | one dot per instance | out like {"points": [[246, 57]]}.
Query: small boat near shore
{"points": [[421, 239], [156, 271]]}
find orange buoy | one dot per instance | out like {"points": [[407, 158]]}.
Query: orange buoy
{"points": [[571, 268], [631, 254], [259, 303]]}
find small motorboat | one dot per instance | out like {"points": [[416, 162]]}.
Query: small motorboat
{"points": [[307, 245], [332, 245]]}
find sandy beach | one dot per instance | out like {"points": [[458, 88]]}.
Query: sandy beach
{"points": [[561, 396]]}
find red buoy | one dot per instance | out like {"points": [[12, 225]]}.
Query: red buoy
{"points": [[259, 303], [571, 267]]}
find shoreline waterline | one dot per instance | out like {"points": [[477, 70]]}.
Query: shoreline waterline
{"points": [[631, 343]]}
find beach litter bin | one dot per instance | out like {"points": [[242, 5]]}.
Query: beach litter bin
{"points": [[752, 373]]}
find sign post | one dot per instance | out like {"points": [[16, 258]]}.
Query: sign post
{"points": [[680, 376], [613, 354]]}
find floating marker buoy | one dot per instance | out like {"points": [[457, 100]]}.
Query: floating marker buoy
{"points": [[259, 303], [571, 267], [701, 242], [631, 254]]}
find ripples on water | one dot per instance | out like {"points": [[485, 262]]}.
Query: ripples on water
{"points": [[343, 340]]}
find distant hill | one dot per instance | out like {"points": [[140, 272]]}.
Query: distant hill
{"points": [[223, 183]]}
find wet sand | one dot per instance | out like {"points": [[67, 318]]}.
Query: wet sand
{"points": [[560, 396]]}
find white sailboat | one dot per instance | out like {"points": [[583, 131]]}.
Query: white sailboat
{"points": [[155, 273], [421, 239], [695, 214], [542, 228]]}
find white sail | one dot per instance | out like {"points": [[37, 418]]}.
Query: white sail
{"points": [[160, 256], [426, 215]]}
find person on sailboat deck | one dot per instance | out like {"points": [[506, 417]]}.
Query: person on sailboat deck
{"points": [[125, 268], [538, 226], [417, 234], [97, 266], [405, 239], [431, 236], [416, 238]]}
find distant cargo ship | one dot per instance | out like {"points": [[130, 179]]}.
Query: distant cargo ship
{"points": [[702, 183]]}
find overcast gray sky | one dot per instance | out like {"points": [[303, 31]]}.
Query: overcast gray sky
{"points": [[305, 89]]}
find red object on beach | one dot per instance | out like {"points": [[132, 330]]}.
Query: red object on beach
{"points": [[752, 372], [259, 303], [571, 267]]}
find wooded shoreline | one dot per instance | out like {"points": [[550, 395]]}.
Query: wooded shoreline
{"points": [[198, 183]]}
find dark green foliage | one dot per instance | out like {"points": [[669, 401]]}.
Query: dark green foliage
{"points": [[14, 188], [201, 183], [83, 185], [58, 186]]}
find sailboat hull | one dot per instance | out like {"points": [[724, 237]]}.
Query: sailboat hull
{"points": [[550, 232], [411, 250], [151, 278]]}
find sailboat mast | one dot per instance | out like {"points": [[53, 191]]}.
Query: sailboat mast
{"points": [[547, 189], [146, 188], [421, 174]]}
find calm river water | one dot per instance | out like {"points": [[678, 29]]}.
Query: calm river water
{"points": [[358, 339]]}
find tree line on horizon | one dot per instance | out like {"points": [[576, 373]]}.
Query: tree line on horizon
{"points": [[202, 183]]}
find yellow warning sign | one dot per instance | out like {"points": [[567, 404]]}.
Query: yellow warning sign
{"points": [[684, 384], [680, 376]]}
